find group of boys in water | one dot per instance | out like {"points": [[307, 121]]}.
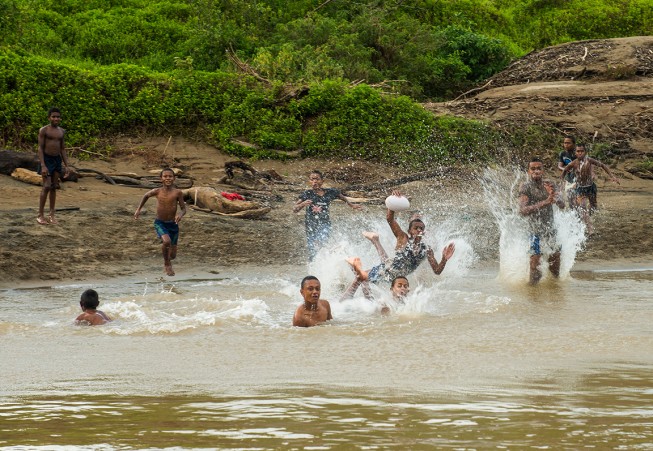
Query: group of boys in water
{"points": [[536, 198]]}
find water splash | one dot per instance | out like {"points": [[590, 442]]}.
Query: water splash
{"points": [[501, 187]]}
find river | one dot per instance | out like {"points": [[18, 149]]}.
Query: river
{"points": [[475, 358], [212, 361]]}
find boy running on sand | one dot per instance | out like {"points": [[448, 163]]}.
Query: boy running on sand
{"points": [[167, 219], [51, 156], [583, 168]]}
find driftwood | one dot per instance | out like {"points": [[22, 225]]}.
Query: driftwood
{"points": [[11, 160], [27, 176], [101, 174], [207, 199], [133, 180], [245, 214], [400, 181]]}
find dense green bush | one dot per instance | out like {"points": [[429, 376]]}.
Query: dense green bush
{"points": [[331, 118], [113, 65]]}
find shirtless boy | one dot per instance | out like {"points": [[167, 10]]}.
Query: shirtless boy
{"points": [[167, 219], [89, 303], [536, 197], [568, 155], [51, 156], [314, 310], [583, 168]]}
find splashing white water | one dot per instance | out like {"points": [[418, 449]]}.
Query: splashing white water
{"points": [[501, 187]]}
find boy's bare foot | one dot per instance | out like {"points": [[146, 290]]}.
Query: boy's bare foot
{"points": [[169, 271], [372, 236], [357, 266], [42, 220], [354, 262]]}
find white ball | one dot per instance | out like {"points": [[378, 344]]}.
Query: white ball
{"points": [[397, 203]]}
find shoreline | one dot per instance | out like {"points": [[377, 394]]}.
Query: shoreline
{"points": [[101, 240]]}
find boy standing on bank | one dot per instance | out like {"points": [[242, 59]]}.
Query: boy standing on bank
{"points": [[51, 156], [167, 219]]}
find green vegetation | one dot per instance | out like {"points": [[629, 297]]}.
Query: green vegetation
{"points": [[328, 78]]}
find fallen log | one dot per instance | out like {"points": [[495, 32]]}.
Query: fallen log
{"points": [[207, 198], [11, 160], [101, 174], [245, 214], [27, 176]]}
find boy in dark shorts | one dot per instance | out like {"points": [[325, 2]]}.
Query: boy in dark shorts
{"points": [[583, 169], [167, 219], [410, 251], [52, 155]]}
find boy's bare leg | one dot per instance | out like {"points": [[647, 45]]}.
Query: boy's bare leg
{"points": [[42, 198], [53, 198], [366, 290], [165, 249], [584, 212], [351, 291], [535, 273], [374, 238], [554, 264], [357, 266]]}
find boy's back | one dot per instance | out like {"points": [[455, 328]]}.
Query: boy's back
{"points": [[91, 318]]}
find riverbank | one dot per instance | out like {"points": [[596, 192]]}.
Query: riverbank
{"points": [[98, 238]]}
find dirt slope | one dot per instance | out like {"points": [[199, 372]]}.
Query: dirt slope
{"points": [[599, 90]]}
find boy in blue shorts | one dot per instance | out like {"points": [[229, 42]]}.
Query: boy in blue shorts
{"points": [[536, 199], [167, 219]]}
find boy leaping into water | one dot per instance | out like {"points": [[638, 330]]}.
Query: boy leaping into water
{"points": [[410, 251], [167, 219]]}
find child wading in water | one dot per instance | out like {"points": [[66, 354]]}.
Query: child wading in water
{"points": [[89, 303], [167, 219]]}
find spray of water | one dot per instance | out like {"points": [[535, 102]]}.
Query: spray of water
{"points": [[501, 187]]}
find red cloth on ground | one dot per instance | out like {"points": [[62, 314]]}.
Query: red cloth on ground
{"points": [[232, 196]]}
